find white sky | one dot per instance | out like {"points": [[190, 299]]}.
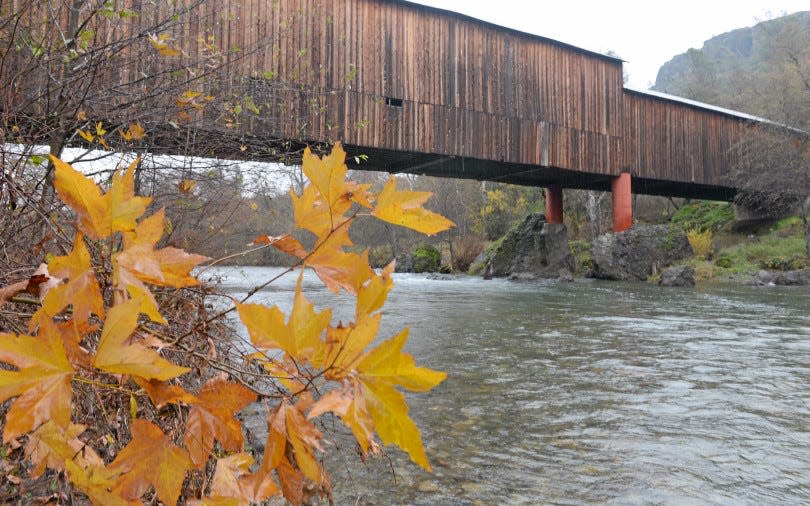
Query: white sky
{"points": [[646, 34]]}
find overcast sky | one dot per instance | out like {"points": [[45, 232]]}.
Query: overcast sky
{"points": [[646, 34]]}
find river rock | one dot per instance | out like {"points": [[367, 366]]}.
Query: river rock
{"points": [[639, 252], [680, 275], [533, 249], [789, 278], [404, 263]]}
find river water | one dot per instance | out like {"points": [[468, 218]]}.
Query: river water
{"points": [[590, 393]]}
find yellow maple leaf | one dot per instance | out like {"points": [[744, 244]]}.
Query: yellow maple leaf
{"points": [[119, 354], [300, 337], [81, 290], [96, 482], [51, 446], [41, 383], [100, 215], [404, 208], [160, 42], [380, 372], [134, 132]]}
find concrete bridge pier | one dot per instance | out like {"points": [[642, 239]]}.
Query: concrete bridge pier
{"points": [[621, 189]]}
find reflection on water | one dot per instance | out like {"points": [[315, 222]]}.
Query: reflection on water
{"points": [[590, 393]]}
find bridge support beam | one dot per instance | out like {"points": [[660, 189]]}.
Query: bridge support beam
{"points": [[554, 204], [622, 202]]}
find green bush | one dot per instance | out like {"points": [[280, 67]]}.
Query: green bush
{"points": [[782, 263], [426, 258], [724, 262], [581, 251], [704, 215]]}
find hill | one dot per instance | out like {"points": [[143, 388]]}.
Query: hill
{"points": [[762, 70]]}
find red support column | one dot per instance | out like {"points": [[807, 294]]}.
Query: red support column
{"points": [[622, 202], [554, 204]]}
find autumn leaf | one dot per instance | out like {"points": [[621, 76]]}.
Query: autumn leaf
{"points": [[163, 267], [162, 393], [345, 345], [119, 354], [372, 294], [212, 417], [81, 290], [83, 196], [42, 383], [186, 186], [323, 204], [89, 137], [336, 267], [233, 479], [135, 132], [380, 372], [100, 215], [404, 208], [51, 446], [287, 425], [300, 337], [160, 43], [150, 459], [286, 243], [96, 482]]}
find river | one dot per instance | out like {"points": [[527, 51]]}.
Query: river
{"points": [[589, 393]]}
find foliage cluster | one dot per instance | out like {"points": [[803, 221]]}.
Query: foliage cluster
{"points": [[581, 251], [700, 240], [163, 425], [704, 215], [426, 258]]}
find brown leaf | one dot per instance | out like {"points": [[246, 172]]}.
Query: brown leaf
{"points": [[212, 417], [150, 459]]}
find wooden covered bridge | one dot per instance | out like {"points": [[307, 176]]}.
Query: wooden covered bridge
{"points": [[423, 90]]}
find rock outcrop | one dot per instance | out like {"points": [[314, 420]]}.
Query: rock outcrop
{"points": [[533, 249], [680, 275], [789, 278], [639, 252]]}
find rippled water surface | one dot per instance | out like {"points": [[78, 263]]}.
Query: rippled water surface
{"points": [[591, 393]]}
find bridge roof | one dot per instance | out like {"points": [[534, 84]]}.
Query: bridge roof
{"points": [[493, 26], [666, 97]]}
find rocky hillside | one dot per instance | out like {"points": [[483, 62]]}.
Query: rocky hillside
{"points": [[762, 70]]}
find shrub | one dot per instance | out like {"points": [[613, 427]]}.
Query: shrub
{"points": [[701, 241], [704, 215], [426, 258], [581, 251], [465, 251], [380, 256]]}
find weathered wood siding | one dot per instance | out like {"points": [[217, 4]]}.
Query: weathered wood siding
{"points": [[670, 140], [466, 88]]}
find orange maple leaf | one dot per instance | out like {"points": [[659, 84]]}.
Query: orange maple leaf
{"points": [[212, 417], [119, 354], [150, 459], [405, 208], [42, 383], [162, 393], [233, 480], [287, 425]]}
